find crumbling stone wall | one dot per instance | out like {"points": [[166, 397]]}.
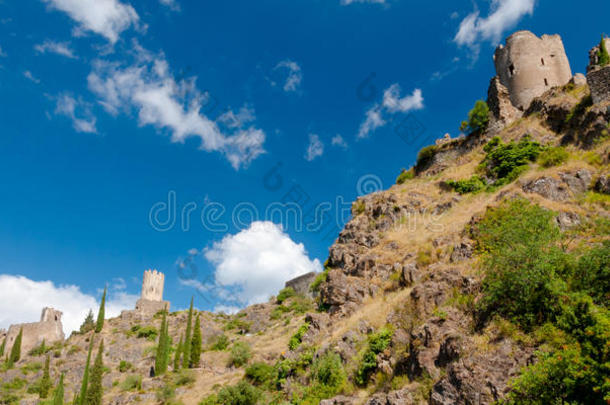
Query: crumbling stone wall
{"points": [[49, 329], [598, 77], [152, 285], [301, 284], [528, 66]]}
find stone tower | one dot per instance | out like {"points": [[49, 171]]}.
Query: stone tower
{"points": [[49, 329], [151, 298], [528, 66], [152, 285], [598, 77]]}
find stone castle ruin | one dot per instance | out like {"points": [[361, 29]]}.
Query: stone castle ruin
{"points": [[49, 329], [528, 66], [598, 77], [151, 299]]}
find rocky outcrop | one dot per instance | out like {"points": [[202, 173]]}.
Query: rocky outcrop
{"points": [[569, 185], [502, 110], [602, 185]]}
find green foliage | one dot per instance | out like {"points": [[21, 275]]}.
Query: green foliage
{"points": [[261, 374], [358, 207], [297, 338], [405, 175], [147, 332], [124, 366], [88, 324], [178, 353], [521, 263], [219, 342], [505, 162], [424, 157], [240, 354], [240, 394], [184, 377], [317, 282], [58, 395], [472, 185], [284, 294], [132, 382], [45, 382], [553, 156], [95, 391], [602, 53], [166, 394], [31, 368], [162, 352], [186, 360], [3, 347], [478, 118], [99, 324], [377, 343], [196, 344], [239, 324], [85, 383], [327, 370], [15, 354], [592, 274]]}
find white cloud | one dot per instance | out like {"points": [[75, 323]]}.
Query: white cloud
{"points": [[315, 148], [148, 86], [391, 104], [78, 111], [172, 4], [32, 296], [338, 140], [503, 15], [226, 309], [104, 17], [28, 75], [60, 48], [294, 76], [257, 262]]}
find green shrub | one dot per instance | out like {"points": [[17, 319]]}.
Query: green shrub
{"points": [[219, 343], [377, 343], [405, 175], [592, 274], [297, 338], [284, 294], [184, 377], [240, 354], [521, 262], [124, 366], [31, 368], [505, 162], [478, 118], [472, 185], [328, 371], [239, 324], [261, 374], [602, 53], [424, 157], [553, 156], [358, 207], [317, 282], [240, 394], [39, 350], [132, 383]]}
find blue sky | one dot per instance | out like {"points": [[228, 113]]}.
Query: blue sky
{"points": [[111, 108]]}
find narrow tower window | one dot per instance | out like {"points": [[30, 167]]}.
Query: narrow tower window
{"points": [[542, 61], [511, 70], [546, 82]]}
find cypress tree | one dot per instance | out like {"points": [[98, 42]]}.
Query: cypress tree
{"points": [[178, 353], [162, 355], [58, 396], [196, 344], [80, 400], [100, 315], [187, 338], [95, 389], [15, 354], [604, 57], [45, 382], [88, 324], [2, 347]]}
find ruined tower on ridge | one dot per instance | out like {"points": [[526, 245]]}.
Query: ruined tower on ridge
{"points": [[528, 66], [49, 329], [598, 77], [151, 299]]}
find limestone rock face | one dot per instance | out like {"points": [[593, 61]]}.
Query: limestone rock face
{"points": [[502, 110], [602, 185]]}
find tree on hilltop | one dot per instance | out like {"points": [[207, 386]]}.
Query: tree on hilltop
{"points": [[95, 390], [186, 360], [196, 343], [15, 354], [88, 324], [100, 315], [602, 54], [45, 382]]}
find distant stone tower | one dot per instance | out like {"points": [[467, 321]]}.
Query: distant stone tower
{"points": [[152, 285], [528, 66], [151, 298]]}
